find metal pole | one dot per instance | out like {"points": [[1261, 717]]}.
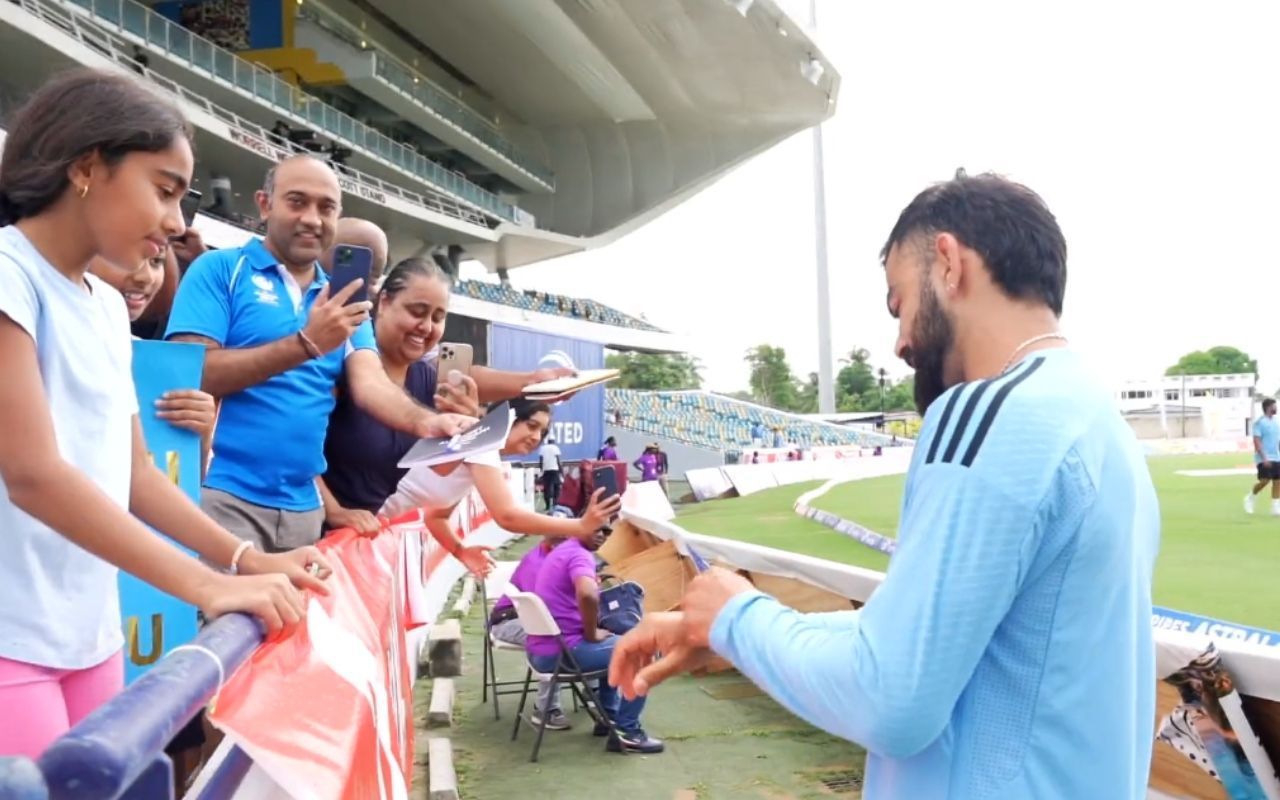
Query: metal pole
{"points": [[826, 382], [1184, 404], [882, 373]]}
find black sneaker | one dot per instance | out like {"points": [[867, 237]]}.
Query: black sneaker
{"points": [[636, 741]]}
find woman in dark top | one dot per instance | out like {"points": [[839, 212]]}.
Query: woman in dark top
{"points": [[361, 452]]}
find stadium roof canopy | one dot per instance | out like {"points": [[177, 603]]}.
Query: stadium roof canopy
{"points": [[517, 130], [635, 105]]}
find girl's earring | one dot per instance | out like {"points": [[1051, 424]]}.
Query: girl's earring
{"points": [[84, 191]]}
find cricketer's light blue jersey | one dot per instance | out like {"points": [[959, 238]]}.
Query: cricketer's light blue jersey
{"points": [[1009, 652]]}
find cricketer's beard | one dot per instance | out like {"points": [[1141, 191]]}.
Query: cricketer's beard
{"points": [[933, 339]]}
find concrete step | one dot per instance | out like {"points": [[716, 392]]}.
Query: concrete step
{"points": [[444, 649], [440, 712], [442, 780]]}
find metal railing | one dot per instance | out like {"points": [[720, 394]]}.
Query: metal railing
{"points": [[434, 99], [110, 46], [156, 31], [118, 750]]}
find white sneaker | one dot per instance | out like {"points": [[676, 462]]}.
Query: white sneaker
{"points": [[1275, 508], [556, 720], [1248, 504]]}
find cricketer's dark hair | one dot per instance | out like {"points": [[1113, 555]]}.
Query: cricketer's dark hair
{"points": [[1004, 222], [73, 115], [1268, 404], [400, 275]]}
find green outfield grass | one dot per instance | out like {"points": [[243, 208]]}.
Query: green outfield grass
{"points": [[1214, 559]]}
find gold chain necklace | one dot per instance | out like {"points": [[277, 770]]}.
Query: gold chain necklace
{"points": [[1044, 337]]}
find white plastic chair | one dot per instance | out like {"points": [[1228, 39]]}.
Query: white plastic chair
{"points": [[497, 584], [537, 621]]}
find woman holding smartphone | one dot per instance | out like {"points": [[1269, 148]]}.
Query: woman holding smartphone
{"points": [[409, 321]]}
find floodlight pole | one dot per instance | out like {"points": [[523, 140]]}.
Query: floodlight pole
{"points": [[826, 383], [1184, 404]]}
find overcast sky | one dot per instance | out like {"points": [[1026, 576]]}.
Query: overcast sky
{"points": [[1149, 127]]}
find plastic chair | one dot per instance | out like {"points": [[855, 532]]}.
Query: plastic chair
{"points": [[496, 585], [537, 621]]}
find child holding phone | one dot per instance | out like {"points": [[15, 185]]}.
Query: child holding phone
{"points": [[95, 164], [440, 488]]}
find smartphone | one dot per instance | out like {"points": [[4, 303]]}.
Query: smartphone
{"points": [[604, 478], [351, 262], [190, 204], [454, 356]]}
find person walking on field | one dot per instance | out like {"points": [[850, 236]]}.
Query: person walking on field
{"points": [[1266, 455], [549, 459]]}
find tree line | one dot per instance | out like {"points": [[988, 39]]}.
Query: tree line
{"points": [[860, 386]]}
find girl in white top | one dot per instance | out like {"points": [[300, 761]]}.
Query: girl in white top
{"points": [[94, 164], [441, 488]]}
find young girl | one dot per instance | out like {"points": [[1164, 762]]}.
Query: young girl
{"points": [[94, 164], [150, 322], [362, 453], [441, 488], [190, 409]]}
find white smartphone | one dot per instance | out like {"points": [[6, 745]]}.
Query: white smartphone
{"points": [[453, 357]]}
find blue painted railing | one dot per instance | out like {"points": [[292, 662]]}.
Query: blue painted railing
{"points": [[118, 750]]}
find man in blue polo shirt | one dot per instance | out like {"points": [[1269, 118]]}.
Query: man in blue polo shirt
{"points": [[277, 343]]}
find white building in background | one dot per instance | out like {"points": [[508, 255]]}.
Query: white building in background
{"points": [[1217, 406]]}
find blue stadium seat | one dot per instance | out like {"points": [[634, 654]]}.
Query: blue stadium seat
{"points": [[557, 305], [720, 423]]}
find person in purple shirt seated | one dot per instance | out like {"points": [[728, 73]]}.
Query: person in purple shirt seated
{"points": [[505, 627], [647, 463], [409, 321], [568, 585], [610, 450]]}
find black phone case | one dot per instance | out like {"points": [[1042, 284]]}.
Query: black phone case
{"points": [[607, 478]]}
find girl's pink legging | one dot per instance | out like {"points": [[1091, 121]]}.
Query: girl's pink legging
{"points": [[40, 704]]}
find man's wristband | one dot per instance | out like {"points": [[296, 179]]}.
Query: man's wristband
{"points": [[309, 346]]}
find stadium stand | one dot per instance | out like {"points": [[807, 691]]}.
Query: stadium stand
{"points": [[115, 47], [555, 304], [465, 104], [145, 28], [414, 84], [715, 422]]}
